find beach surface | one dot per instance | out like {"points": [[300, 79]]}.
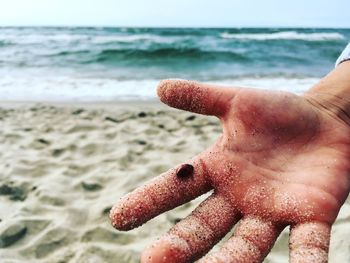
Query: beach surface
{"points": [[63, 166]]}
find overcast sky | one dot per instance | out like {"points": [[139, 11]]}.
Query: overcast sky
{"points": [[176, 13]]}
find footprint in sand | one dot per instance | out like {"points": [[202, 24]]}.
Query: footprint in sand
{"points": [[11, 234]]}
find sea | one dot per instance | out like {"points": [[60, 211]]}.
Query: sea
{"points": [[87, 64]]}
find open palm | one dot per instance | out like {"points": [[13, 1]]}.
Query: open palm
{"points": [[282, 160]]}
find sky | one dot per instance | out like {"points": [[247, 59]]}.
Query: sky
{"points": [[176, 13]]}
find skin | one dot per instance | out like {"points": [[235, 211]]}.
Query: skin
{"points": [[282, 160]]}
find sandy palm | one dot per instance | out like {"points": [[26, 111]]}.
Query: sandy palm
{"points": [[282, 160]]}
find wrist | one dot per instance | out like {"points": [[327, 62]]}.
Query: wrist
{"points": [[332, 104], [332, 93]]}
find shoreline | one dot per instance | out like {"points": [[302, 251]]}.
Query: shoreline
{"points": [[87, 104]]}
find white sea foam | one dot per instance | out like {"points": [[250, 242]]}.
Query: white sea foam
{"points": [[40, 38], [134, 38], [95, 39], [50, 87], [295, 85], [286, 35], [68, 88]]}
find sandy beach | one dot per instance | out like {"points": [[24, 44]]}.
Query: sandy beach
{"points": [[63, 166]]}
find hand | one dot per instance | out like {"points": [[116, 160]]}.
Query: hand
{"points": [[282, 160]]}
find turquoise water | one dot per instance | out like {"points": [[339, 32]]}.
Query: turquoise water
{"points": [[123, 63]]}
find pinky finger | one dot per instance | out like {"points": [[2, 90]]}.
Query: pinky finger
{"points": [[309, 242]]}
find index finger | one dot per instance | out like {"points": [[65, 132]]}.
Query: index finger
{"points": [[161, 194]]}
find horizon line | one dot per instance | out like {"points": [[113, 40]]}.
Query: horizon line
{"points": [[176, 27]]}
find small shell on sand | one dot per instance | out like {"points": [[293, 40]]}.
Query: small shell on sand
{"points": [[185, 170]]}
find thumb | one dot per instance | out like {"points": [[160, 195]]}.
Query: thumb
{"points": [[196, 97]]}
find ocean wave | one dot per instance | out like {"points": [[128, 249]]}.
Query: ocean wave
{"points": [[133, 38], [4, 43], [170, 52], [105, 38], [286, 35], [92, 39], [41, 38], [201, 54]]}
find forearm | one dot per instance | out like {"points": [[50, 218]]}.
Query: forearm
{"points": [[332, 93]]}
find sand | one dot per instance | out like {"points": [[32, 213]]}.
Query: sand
{"points": [[63, 166]]}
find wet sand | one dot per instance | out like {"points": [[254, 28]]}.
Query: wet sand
{"points": [[63, 166]]}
